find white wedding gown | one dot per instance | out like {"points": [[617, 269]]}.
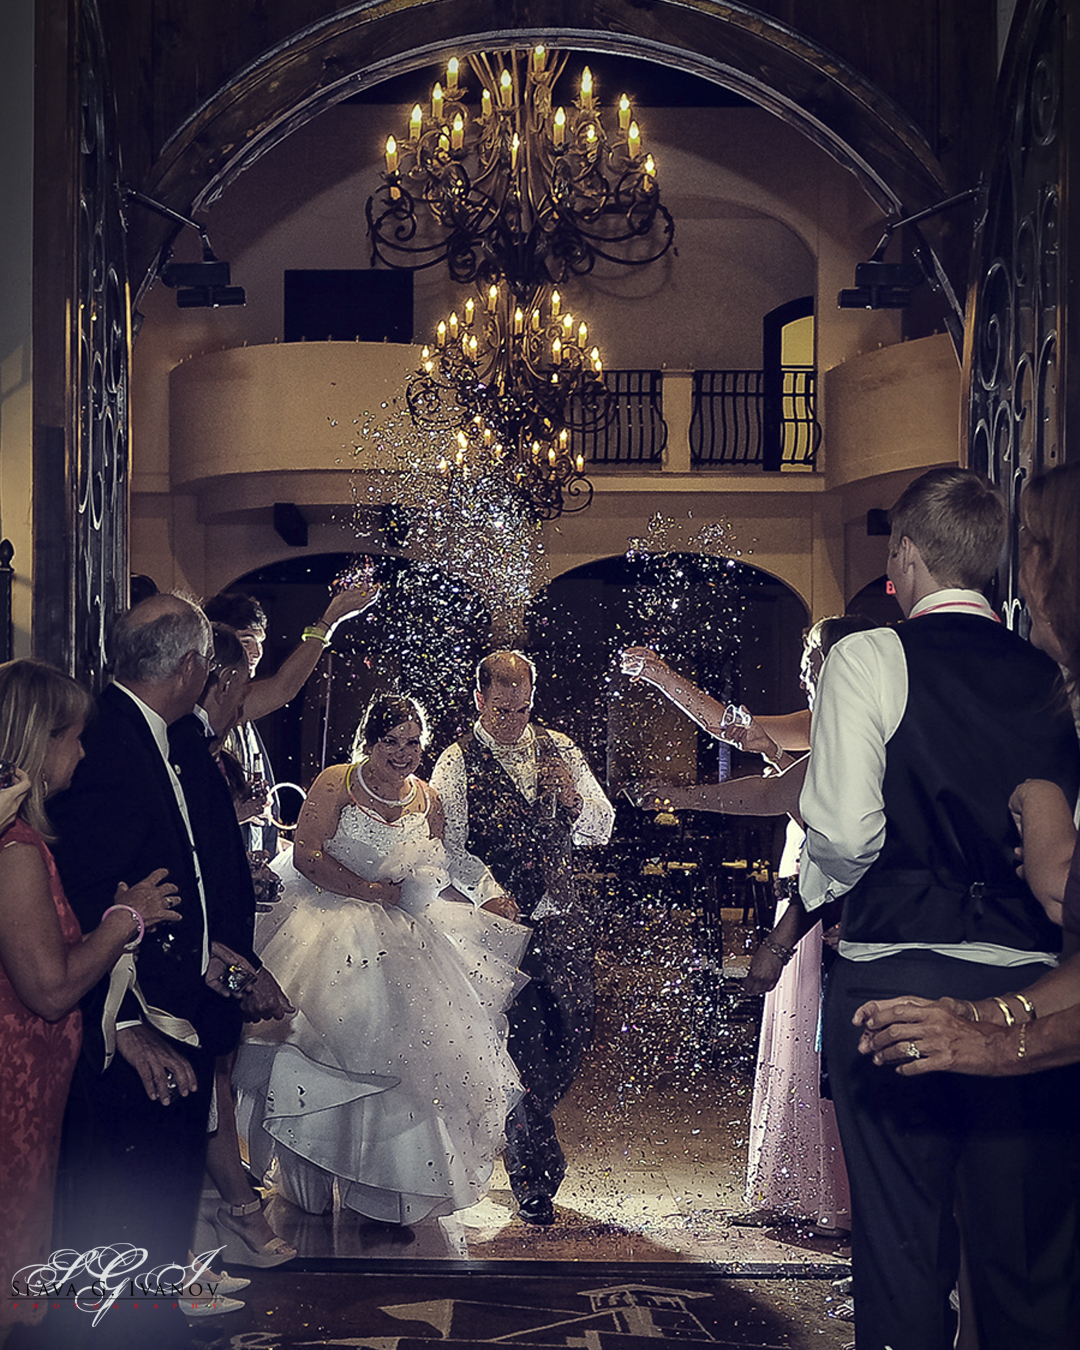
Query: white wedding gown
{"points": [[393, 1076]]}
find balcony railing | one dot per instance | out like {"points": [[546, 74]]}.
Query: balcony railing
{"points": [[637, 432], [754, 417], [733, 419]]}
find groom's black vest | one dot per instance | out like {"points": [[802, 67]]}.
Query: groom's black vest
{"points": [[526, 847], [982, 715]]}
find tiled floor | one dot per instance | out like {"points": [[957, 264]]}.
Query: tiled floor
{"points": [[654, 1132]]}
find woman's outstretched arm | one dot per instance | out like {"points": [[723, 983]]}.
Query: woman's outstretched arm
{"points": [[754, 795], [789, 731]]}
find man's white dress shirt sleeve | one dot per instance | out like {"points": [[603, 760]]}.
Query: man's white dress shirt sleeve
{"points": [[861, 696], [597, 818]]}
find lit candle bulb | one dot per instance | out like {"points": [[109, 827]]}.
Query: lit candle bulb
{"points": [[469, 310], [568, 325], [472, 347], [437, 102], [583, 335], [556, 304], [551, 455], [453, 325], [519, 320], [457, 132], [506, 88], [597, 363], [579, 463], [443, 466], [624, 113], [462, 440], [425, 355], [453, 66], [564, 439], [536, 449], [590, 138], [536, 320], [586, 88], [391, 155], [538, 59], [556, 350], [485, 104], [650, 172], [515, 146], [493, 295], [560, 127], [440, 334], [633, 139], [416, 121]]}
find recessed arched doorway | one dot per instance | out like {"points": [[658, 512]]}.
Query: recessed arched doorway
{"points": [[655, 1126], [731, 627]]}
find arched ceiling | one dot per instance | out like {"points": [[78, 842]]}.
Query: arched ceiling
{"points": [[729, 44]]}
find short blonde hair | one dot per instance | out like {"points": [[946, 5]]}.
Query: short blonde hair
{"points": [[37, 702], [958, 521]]}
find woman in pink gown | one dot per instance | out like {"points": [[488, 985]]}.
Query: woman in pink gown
{"points": [[45, 963]]}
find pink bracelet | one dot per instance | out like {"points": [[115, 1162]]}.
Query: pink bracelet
{"points": [[129, 946]]}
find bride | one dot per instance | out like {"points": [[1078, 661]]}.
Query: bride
{"points": [[393, 1076]]}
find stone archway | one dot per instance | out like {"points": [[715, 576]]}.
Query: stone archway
{"points": [[771, 64]]}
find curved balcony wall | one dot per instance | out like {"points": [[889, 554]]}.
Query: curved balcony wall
{"points": [[253, 425], [893, 410]]}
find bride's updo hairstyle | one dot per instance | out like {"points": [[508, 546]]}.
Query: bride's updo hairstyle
{"points": [[383, 714]]}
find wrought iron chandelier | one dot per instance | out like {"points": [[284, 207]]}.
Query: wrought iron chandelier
{"points": [[514, 382], [517, 190]]}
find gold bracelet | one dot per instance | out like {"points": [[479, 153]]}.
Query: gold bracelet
{"points": [[1021, 1049], [312, 634], [1010, 1016], [1026, 1004]]}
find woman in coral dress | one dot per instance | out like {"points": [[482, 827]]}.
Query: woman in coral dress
{"points": [[393, 1077], [45, 963]]}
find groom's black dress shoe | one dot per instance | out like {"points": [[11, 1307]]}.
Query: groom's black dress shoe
{"points": [[537, 1209]]}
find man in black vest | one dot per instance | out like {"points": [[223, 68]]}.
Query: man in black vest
{"points": [[516, 797], [920, 733]]}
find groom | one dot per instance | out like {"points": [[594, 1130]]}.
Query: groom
{"points": [[516, 797]]}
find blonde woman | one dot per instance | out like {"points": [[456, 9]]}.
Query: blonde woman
{"points": [[46, 964]]}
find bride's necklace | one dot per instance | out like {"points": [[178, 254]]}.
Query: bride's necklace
{"points": [[385, 801]]}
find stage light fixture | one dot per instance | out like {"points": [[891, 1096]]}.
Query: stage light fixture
{"points": [[198, 285], [882, 285]]}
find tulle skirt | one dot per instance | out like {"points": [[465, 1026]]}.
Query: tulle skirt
{"points": [[393, 1076]]}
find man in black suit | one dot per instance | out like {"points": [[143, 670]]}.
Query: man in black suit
{"points": [[135, 1136], [230, 899], [193, 743]]}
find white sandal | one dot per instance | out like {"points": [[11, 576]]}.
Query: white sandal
{"points": [[273, 1253]]}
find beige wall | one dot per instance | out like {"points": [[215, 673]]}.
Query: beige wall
{"points": [[16, 304], [226, 423]]}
